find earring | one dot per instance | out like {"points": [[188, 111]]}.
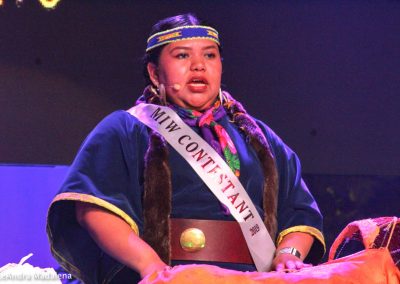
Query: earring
{"points": [[153, 90], [162, 94], [221, 97]]}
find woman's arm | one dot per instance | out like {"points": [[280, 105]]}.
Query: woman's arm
{"points": [[116, 238], [302, 242]]}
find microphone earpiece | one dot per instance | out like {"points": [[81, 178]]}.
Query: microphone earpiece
{"points": [[175, 87]]}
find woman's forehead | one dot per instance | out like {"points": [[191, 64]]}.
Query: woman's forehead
{"points": [[192, 44]]}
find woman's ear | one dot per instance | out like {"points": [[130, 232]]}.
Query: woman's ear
{"points": [[153, 73]]}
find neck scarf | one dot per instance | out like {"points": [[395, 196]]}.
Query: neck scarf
{"points": [[213, 132]]}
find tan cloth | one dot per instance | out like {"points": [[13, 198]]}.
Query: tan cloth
{"points": [[372, 265]]}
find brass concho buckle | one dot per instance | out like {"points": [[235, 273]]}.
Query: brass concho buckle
{"points": [[192, 240]]}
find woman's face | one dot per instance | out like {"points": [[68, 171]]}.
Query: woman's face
{"points": [[190, 71]]}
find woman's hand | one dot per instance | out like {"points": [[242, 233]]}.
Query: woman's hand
{"points": [[287, 261], [153, 268]]}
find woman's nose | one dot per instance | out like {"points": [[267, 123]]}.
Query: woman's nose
{"points": [[197, 64]]}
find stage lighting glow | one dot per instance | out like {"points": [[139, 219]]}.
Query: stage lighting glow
{"points": [[49, 4]]}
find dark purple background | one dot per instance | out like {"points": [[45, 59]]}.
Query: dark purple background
{"points": [[323, 74]]}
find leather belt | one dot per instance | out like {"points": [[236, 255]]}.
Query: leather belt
{"points": [[224, 241]]}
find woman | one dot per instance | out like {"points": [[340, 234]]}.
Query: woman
{"points": [[110, 221]]}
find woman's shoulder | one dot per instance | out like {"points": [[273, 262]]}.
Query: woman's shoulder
{"points": [[268, 132], [119, 116], [118, 119], [279, 147], [119, 123]]}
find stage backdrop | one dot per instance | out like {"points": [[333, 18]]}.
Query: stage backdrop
{"points": [[25, 194], [323, 74]]}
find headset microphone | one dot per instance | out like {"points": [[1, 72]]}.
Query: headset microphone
{"points": [[175, 86]]}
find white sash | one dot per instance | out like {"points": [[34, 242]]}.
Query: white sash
{"points": [[216, 174]]}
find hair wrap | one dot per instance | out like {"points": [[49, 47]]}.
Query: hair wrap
{"points": [[182, 33]]}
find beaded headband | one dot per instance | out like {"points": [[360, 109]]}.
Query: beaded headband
{"points": [[182, 33]]}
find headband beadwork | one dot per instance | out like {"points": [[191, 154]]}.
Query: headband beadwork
{"points": [[182, 33]]}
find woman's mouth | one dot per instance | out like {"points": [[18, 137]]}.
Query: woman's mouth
{"points": [[197, 84]]}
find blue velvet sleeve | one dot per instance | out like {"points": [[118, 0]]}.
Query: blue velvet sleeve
{"points": [[107, 171], [109, 164]]}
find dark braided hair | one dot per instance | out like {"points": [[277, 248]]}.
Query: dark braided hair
{"points": [[257, 140], [157, 175]]}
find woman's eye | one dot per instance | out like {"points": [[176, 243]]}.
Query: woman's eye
{"points": [[210, 55], [182, 55]]}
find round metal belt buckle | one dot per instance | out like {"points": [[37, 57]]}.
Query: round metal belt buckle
{"points": [[192, 240]]}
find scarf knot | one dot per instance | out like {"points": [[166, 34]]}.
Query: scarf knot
{"points": [[213, 132]]}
